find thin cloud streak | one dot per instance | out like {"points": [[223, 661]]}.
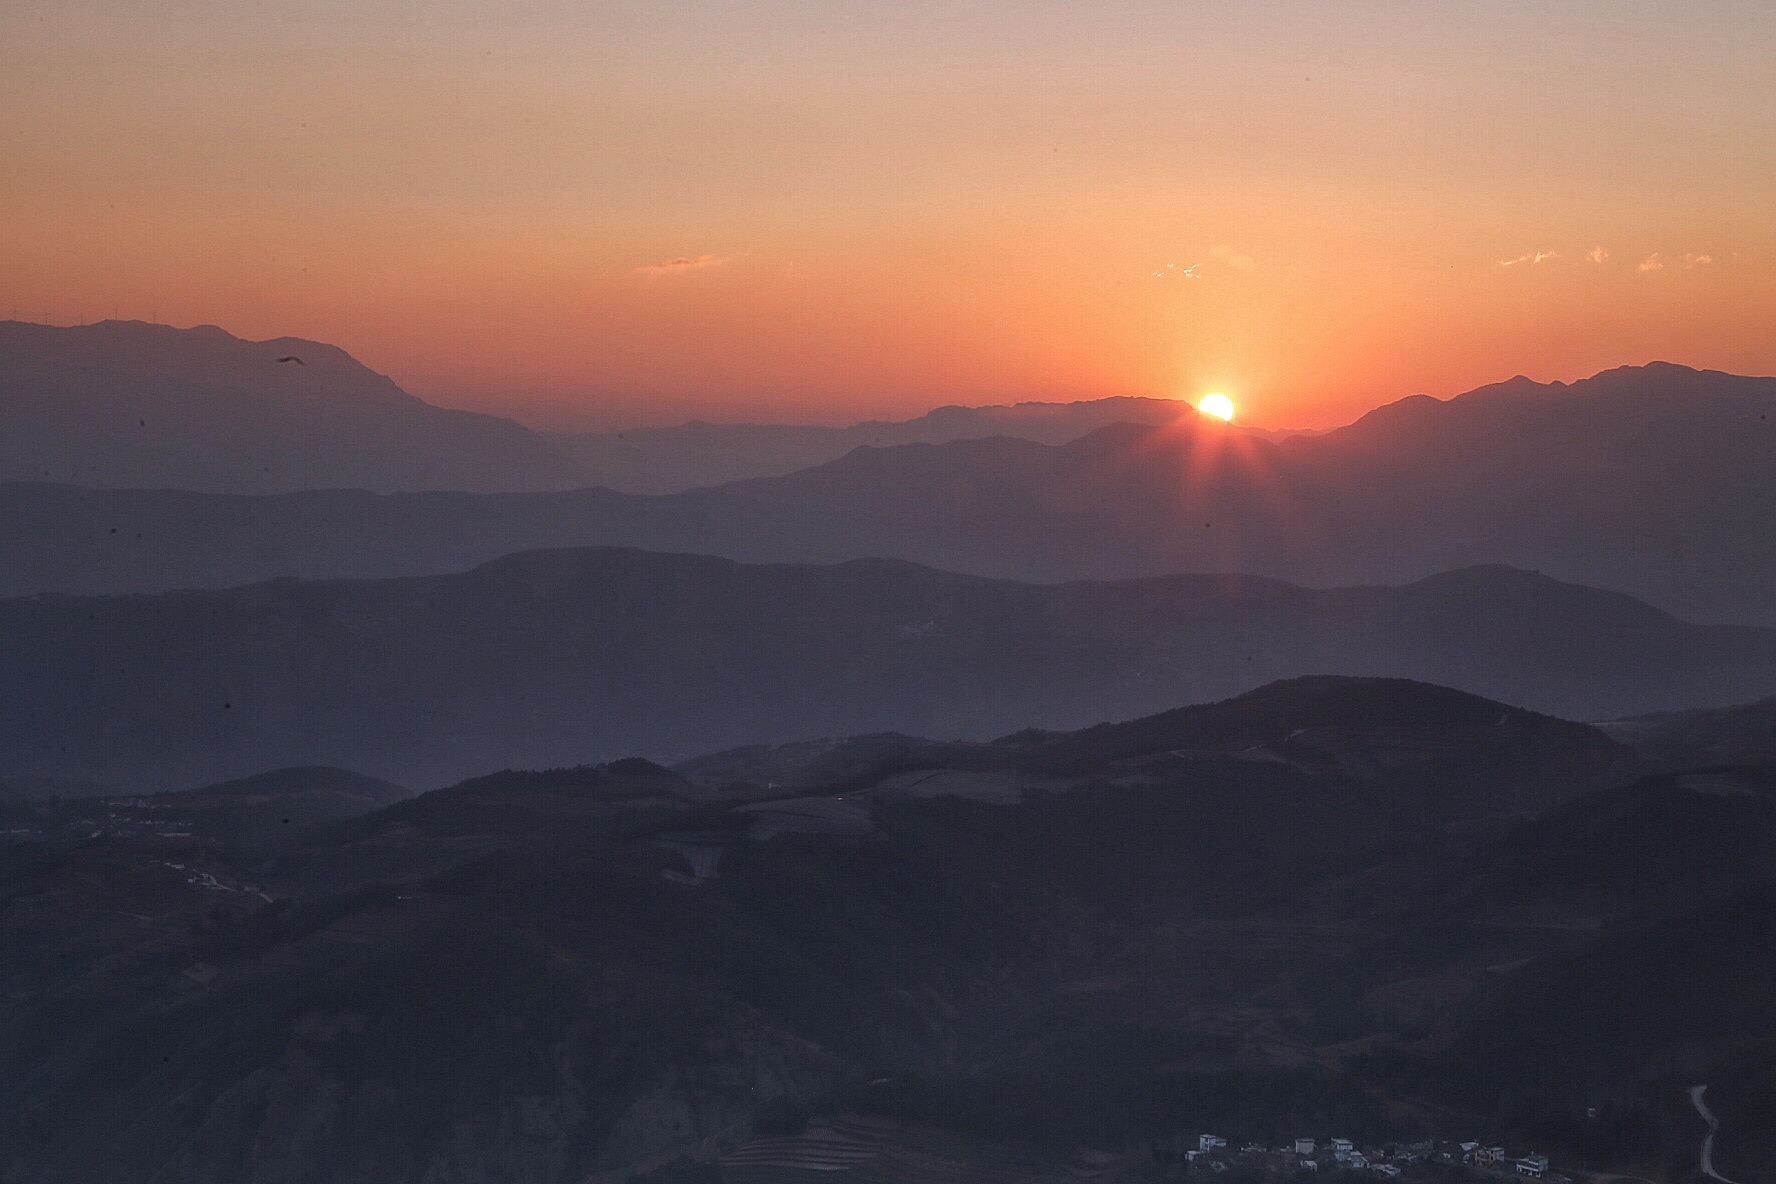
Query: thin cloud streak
{"points": [[682, 264], [1659, 261]]}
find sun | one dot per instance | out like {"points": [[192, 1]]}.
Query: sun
{"points": [[1217, 405]]}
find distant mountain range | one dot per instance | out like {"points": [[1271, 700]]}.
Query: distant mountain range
{"points": [[1658, 481], [803, 854], [1360, 907], [697, 454], [564, 657], [126, 404]]}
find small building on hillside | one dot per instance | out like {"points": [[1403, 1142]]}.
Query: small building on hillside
{"points": [[1304, 1146], [1532, 1165]]}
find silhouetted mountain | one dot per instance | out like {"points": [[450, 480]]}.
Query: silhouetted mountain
{"points": [[697, 454], [1428, 741], [1727, 735], [1240, 917], [127, 404], [1658, 481], [558, 658], [285, 782]]}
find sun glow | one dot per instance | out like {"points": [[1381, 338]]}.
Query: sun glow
{"points": [[1217, 405]]}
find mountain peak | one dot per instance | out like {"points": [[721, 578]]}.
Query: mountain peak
{"points": [[128, 403]]}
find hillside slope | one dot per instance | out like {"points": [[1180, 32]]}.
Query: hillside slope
{"points": [[564, 657], [1317, 908], [124, 404]]}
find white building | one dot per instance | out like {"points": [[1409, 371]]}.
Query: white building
{"points": [[1343, 1145], [1304, 1146], [1209, 1142], [1532, 1165]]}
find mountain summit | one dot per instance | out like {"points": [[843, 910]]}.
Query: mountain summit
{"points": [[125, 404]]}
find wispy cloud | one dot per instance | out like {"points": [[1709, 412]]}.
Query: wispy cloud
{"points": [[1659, 262], [1532, 258], [1231, 257], [1597, 254], [682, 264], [1224, 255]]}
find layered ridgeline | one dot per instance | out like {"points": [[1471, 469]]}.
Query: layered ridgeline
{"points": [[692, 455], [1658, 481], [125, 404], [563, 657], [135, 405], [1368, 908]]}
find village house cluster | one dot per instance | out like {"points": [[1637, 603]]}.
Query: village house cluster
{"points": [[1212, 1154]]}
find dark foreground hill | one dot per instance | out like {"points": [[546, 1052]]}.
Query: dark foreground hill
{"points": [[124, 404], [1658, 481], [1742, 732], [1317, 909], [565, 657]]}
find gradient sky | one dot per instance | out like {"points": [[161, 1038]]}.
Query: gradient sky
{"points": [[618, 213]]}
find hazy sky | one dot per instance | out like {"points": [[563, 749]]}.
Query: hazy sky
{"points": [[823, 210]]}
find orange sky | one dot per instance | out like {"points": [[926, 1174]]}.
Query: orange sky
{"points": [[823, 210]]}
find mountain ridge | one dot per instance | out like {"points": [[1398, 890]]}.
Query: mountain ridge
{"points": [[563, 657], [1658, 483], [128, 404], [700, 454]]}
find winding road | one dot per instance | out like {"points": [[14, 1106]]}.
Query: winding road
{"points": [[1707, 1160]]}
